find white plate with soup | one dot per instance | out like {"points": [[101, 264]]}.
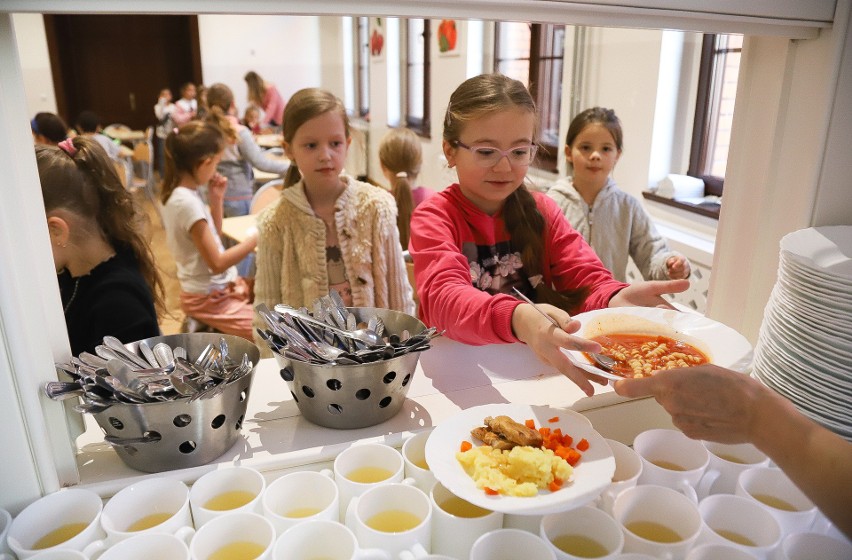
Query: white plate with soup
{"points": [[591, 474], [691, 333]]}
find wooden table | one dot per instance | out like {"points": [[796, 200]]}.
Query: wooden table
{"points": [[126, 135], [269, 140], [261, 177], [238, 227]]}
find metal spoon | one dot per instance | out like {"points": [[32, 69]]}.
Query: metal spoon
{"points": [[164, 355], [366, 336], [149, 354], [605, 363], [116, 346]]}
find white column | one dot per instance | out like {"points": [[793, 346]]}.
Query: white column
{"points": [[35, 437], [788, 166]]}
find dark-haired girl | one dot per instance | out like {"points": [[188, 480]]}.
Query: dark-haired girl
{"points": [[107, 277], [476, 240]]}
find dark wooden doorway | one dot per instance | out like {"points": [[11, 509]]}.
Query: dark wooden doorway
{"points": [[116, 65]]}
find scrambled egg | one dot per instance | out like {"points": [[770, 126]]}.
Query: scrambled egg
{"points": [[521, 471]]}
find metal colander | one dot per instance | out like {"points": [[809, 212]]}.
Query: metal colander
{"points": [[354, 396], [191, 433]]}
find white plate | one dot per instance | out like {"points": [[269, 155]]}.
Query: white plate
{"points": [[825, 247], [592, 474], [722, 344]]}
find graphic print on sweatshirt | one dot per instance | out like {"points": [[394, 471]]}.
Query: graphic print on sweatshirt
{"points": [[495, 268]]}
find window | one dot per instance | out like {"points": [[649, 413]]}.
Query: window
{"points": [[417, 76], [533, 54], [363, 72], [714, 109]]}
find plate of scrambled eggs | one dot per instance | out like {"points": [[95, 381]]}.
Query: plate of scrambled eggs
{"points": [[526, 479]]}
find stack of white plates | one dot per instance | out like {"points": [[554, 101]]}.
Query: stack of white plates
{"points": [[804, 350]]}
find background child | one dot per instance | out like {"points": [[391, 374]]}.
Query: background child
{"points": [[186, 107], [211, 290], [622, 228], [251, 119], [107, 277], [163, 111], [241, 152], [477, 239], [327, 230], [48, 129], [89, 124], [401, 155], [265, 95]]}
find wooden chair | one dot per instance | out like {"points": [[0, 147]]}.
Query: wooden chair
{"points": [[266, 195], [143, 163]]}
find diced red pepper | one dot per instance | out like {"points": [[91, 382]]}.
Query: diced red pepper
{"points": [[530, 424], [582, 445], [554, 419], [491, 492], [465, 446]]}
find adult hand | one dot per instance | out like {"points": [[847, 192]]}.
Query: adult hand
{"points": [[705, 402], [648, 294], [677, 268], [546, 341]]}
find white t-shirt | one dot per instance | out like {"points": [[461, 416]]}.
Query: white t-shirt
{"points": [[183, 209]]}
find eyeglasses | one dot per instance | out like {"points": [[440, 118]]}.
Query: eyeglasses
{"points": [[488, 156]]}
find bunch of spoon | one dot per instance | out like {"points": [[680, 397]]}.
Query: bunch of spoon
{"points": [[332, 335], [114, 375]]}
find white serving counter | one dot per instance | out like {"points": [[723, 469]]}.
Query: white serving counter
{"points": [[450, 377]]}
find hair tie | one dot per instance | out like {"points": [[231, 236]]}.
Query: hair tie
{"points": [[175, 130], [402, 175], [68, 147]]}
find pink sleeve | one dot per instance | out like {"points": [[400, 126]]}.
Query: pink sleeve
{"points": [[181, 116], [573, 262], [448, 299], [273, 105]]}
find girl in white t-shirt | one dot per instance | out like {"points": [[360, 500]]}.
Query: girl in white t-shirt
{"points": [[211, 290]]}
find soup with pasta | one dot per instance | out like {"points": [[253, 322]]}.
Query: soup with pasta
{"points": [[637, 355]]}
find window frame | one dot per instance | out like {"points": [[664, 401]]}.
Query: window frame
{"points": [[362, 67], [421, 125], [540, 83], [711, 62]]}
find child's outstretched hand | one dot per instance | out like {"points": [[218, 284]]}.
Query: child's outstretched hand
{"points": [[648, 294], [547, 341], [677, 268]]}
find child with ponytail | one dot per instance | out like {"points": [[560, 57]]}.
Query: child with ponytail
{"points": [[108, 281], [401, 155], [211, 289], [478, 239]]}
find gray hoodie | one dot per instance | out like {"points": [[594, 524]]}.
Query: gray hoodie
{"points": [[617, 227]]}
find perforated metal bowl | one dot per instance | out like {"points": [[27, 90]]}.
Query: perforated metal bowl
{"points": [[192, 433], [354, 396]]}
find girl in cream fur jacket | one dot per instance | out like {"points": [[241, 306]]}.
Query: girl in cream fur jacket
{"points": [[327, 230]]}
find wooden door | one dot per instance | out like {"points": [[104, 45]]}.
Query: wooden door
{"points": [[116, 65]]}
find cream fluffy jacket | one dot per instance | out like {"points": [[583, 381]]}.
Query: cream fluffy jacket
{"points": [[291, 261]]}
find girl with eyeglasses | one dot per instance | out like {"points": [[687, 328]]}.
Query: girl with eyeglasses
{"points": [[487, 234]]}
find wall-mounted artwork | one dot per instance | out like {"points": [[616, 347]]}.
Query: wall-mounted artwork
{"points": [[448, 38], [377, 38]]}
